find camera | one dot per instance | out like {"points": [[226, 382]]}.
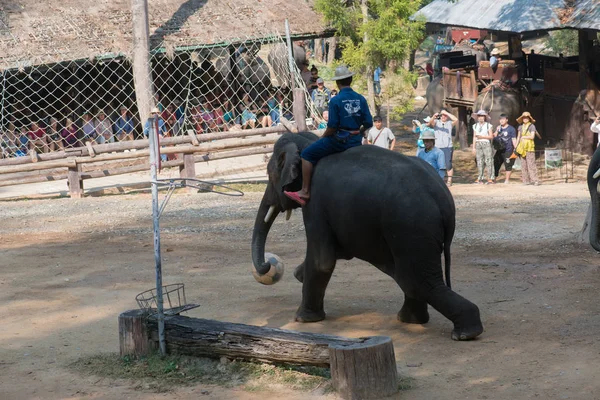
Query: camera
{"points": [[438, 116]]}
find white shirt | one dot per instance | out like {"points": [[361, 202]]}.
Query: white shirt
{"points": [[596, 129], [385, 137], [482, 130]]}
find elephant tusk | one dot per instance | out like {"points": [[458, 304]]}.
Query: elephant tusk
{"points": [[269, 214], [597, 174], [288, 215]]}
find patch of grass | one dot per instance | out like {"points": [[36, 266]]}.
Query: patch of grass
{"points": [[248, 187], [161, 374], [405, 383]]}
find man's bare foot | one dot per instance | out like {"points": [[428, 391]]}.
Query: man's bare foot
{"points": [[304, 195]]}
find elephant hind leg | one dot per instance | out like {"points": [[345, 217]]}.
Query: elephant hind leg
{"points": [[413, 311]]}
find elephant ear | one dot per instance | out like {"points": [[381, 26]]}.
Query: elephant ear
{"points": [[289, 164]]}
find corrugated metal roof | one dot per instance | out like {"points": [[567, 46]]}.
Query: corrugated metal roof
{"points": [[514, 15]]}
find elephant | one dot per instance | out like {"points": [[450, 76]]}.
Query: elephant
{"points": [[496, 101], [435, 95], [593, 181], [279, 60], [373, 204]]}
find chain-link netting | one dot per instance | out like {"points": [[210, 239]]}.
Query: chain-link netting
{"points": [[238, 84]]}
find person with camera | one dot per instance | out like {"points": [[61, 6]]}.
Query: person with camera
{"points": [[442, 124], [596, 128]]}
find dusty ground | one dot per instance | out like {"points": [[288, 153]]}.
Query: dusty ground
{"points": [[70, 266]]}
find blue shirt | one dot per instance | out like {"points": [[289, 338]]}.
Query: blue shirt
{"points": [[435, 158], [376, 74], [347, 112], [161, 127], [506, 135], [123, 125]]}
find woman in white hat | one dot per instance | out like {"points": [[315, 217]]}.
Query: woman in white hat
{"points": [[482, 147], [526, 149]]}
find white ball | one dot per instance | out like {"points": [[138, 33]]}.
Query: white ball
{"points": [[274, 274]]}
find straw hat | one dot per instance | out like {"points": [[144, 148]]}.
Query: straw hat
{"points": [[342, 72], [481, 113], [528, 115], [495, 52]]}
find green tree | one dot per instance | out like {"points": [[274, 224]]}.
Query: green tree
{"points": [[564, 41], [374, 33]]}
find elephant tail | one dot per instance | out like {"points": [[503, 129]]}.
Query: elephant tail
{"points": [[447, 261]]}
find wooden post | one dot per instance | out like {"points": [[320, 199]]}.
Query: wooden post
{"points": [[142, 74], [332, 48], [461, 128], [188, 168], [133, 334], [366, 370], [299, 109], [75, 182]]}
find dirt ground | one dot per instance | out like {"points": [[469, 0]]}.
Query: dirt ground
{"points": [[69, 267]]}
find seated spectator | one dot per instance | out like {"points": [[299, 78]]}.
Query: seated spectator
{"points": [[263, 116], [324, 120], [88, 128], [196, 119], [104, 129], [22, 142], [8, 142], [179, 115], [162, 129], [229, 115], [54, 135], [69, 135], [124, 125], [275, 103], [320, 96], [37, 137], [247, 117], [209, 117], [220, 118]]}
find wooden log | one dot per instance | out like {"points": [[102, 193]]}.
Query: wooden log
{"points": [[75, 182], [299, 109], [234, 153], [215, 339], [133, 335], [90, 149], [38, 166], [192, 136], [362, 371], [219, 145], [33, 179], [288, 125]]}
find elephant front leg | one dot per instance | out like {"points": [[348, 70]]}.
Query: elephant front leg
{"points": [[318, 269], [413, 311]]}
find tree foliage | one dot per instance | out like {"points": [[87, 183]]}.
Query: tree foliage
{"points": [[565, 41]]}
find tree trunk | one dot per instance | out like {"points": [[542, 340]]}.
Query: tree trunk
{"points": [[366, 370], [319, 50], [332, 48], [364, 7], [142, 74]]}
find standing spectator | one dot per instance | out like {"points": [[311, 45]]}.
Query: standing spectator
{"points": [[505, 141], [314, 77], [482, 147], [596, 128], [377, 80], [526, 148], [320, 96], [104, 129], [431, 154], [54, 135], [88, 127], [442, 124], [124, 126], [37, 137], [69, 134], [418, 129], [380, 136]]}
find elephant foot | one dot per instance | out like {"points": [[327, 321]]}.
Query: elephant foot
{"points": [[467, 333], [309, 316], [299, 273], [413, 315]]}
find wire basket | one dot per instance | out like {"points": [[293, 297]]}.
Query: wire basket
{"points": [[174, 301]]}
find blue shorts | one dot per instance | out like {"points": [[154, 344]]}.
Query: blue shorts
{"points": [[329, 145], [448, 153]]}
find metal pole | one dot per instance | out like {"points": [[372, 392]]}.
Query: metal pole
{"points": [[290, 54], [155, 218]]}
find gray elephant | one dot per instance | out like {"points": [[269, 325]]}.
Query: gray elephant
{"points": [[435, 95], [279, 59], [497, 101], [379, 206]]}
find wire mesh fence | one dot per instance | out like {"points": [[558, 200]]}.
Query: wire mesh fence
{"points": [[234, 85]]}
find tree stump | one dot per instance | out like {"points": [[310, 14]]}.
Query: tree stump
{"points": [[133, 334], [364, 370]]}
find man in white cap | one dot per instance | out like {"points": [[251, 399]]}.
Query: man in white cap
{"points": [[349, 118]]}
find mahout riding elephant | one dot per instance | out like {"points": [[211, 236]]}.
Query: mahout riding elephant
{"points": [[279, 59], [382, 207], [496, 101], [593, 181]]}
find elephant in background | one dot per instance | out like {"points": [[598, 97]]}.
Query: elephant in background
{"points": [[382, 207], [496, 101], [279, 60], [593, 181], [435, 95]]}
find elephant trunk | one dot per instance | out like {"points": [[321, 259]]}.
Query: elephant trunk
{"points": [[267, 271], [593, 186]]}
